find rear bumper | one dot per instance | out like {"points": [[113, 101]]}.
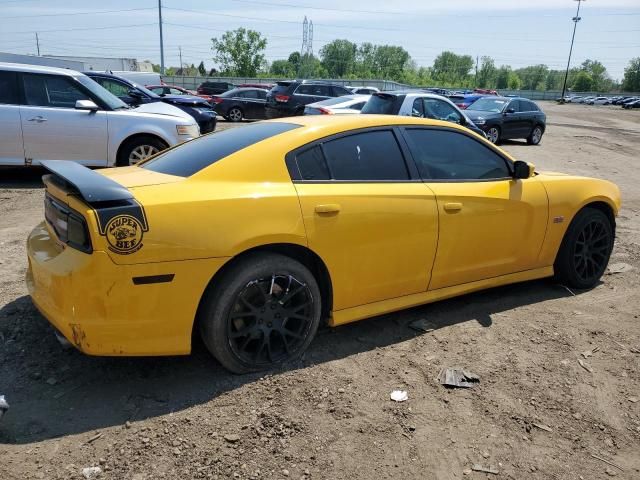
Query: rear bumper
{"points": [[98, 308], [281, 111]]}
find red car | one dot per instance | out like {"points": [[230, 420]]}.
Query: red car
{"points": [[173, 90]]}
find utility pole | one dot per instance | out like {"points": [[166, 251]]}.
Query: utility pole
{"points": [[181, 68], [575, 19], [38, 43], [161, 39], [476, 81]]}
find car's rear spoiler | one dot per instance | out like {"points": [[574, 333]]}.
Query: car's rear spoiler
{"points": [[92, 187]]}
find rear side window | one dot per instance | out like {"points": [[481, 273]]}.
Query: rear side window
{"points": [[197, 154], [528, 106], [9, 88], [311, 164], [515, 104], [383, 104], [366, 156], [339, 91], [453, 156], [51, 91], [417, 110]]}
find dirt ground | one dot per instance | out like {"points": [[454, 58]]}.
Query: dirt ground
{"points": [[536, 414]]}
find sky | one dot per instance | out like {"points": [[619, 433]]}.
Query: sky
{"points": [[513, 32]]}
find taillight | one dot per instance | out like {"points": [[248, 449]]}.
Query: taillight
{"points": [[70, 227], [216, 100], [282, 98], [324, 111]]}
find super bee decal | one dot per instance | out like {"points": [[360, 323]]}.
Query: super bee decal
{"points": [[123, 225]]}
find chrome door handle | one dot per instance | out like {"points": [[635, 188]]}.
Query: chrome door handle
{"points": [[453, 206], [38, 119], [328, 208]]}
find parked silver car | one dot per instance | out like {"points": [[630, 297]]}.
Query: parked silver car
{"points": [[337, 105], [57, 114]]}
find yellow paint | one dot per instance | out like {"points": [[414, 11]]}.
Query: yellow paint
{"points": [[387, 246]]}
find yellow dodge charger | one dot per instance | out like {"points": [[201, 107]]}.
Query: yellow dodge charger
{"points": [[254, 235]]}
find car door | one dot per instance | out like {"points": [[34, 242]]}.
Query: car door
{"points": [[366, 215], [11, 144], [511, 120], [249, 103], [528, 114], [261, 101], [490, 224], [53, 129]]}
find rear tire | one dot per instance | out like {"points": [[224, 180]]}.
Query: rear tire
{"points": [[139, 148], [585, 249], [535, 136], [264, 311], [234, 115]]}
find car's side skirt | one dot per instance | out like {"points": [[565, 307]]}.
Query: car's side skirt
{"points": [[353, 314]]}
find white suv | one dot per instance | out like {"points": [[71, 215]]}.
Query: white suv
{"points": [[56, 114]]}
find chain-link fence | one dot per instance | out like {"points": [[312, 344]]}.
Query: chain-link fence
{"points": [[192, 83]]}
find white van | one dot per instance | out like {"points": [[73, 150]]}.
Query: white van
{"points": [[51, 113]]}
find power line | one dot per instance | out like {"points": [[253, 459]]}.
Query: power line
{"points": [[77, 13], [85, 28], [346, 10]]}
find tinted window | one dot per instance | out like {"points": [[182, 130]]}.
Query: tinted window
{"points": [[528, 106], [197, 154], [357, 106], [417, 110], [440, 110], [51, 91], [366, 156], [116, 88], [261, 94], [383, 104], [317, 90], [515, 104], [8, 88], [249, 94], [338, 91], [447, 155], [311, 164]]}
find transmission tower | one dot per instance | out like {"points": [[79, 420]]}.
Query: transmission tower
{"points": [[307, 37]]}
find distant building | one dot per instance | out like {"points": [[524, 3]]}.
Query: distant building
{"points": [[80, 63]]}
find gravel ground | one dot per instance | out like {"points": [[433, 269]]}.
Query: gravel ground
{"points": [[537, 413]]}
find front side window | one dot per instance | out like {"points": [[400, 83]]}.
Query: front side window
{"points": [[51, 91], [9, 88], [366, 156], [453, 156], [439, 110], [515, 106]]}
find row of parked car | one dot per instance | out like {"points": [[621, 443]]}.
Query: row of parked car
{"points": [[623, 101], [102, 119]]}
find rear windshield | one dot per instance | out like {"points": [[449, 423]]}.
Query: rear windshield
{"points": [[197, 154], [281, 87], [381, 104]]}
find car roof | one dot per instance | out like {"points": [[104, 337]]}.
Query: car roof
{"points": [[244, 89], [23, 67]]}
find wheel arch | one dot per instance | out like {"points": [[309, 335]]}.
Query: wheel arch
{"points": [[300, 253], [135, 136]]}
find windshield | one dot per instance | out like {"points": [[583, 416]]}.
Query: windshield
{"points": [[102, 93], [146, 90], [487, 104], [380, 104]]}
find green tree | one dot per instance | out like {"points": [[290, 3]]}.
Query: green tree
{"points": [[598, 73], [282, 68], [513, 81], [502, 76], [390, 61], [240, 52], [311, 67], [533, 77], [294, 59], [583, 82], [631, 81], [451, 69], [202, 70], [338, 57], [487, 73]]}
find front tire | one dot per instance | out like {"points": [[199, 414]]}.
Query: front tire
{"points": [[138, 149], [535, 136], [264, 311], [493, 135], [585, 249]]}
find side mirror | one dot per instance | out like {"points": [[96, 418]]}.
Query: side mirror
{"points": [[510, 110], [134, 93], [522, 170], [86, 105]]}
